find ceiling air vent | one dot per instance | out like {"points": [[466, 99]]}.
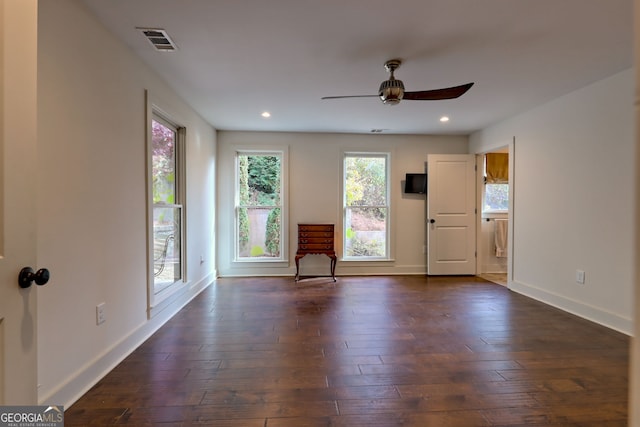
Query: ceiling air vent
{"points": [[159, 39]]}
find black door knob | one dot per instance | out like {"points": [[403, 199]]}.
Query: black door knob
{"points": [[432, 220], [27, 276]]}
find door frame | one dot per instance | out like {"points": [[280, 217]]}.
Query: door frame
{"points": [[511, 147]]}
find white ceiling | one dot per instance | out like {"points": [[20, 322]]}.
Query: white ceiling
{"points": [[237, 58]]}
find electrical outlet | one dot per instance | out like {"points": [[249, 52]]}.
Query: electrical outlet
{"points": [[580, 276], [101, 315]]}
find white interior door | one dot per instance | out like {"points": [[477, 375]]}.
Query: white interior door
{"points": [[451, 214], [18, 122]]}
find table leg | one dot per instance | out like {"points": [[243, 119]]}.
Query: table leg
{"points": [[334, 259], [298, 267]]}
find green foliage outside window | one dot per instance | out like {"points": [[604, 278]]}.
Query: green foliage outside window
{"points": [[272, 238], [259, 180], [365, 248], [264, 178], [163, 142], [366, 206], [243, 217], [366, 183]]}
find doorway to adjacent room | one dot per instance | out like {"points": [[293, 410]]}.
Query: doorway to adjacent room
{"points": [[495, 189]]}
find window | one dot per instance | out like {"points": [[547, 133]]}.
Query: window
{"points": [[366, 206], [496, 198], [496, 187], [167, 207], [259, 206]]}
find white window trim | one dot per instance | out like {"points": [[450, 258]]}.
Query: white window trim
{"points": [[283, 261], [389, 220], [156, 302]]}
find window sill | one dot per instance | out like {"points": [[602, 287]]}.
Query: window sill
{"points": [[355, 261], [167, 296], [261, 263]]}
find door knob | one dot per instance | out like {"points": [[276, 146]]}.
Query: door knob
{"points": [[27, 275], [432, 220]]}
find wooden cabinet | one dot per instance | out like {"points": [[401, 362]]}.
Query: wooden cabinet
{"points": [[316, 239]]}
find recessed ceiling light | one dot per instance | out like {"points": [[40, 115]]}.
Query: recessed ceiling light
{"points": [[444, 119], [266, 114]]}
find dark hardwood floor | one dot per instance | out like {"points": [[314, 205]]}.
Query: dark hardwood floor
{"points": [[366, 351]]}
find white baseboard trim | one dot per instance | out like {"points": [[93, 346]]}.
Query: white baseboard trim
{"points": [[363, 269], [88, 375], [580, 309]]}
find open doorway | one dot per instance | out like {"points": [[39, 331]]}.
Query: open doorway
{"points": [[494, 201]]}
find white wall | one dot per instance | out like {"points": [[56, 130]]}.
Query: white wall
{"points": [[92, 211], [574, 204], [314, 195]]}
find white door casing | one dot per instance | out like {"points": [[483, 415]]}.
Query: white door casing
{"points": [[18, 142], [451, 214]]}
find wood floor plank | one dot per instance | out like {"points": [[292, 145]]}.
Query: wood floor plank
{"points": [[366, 351]]}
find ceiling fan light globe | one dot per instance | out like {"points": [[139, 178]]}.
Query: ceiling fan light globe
{"points": [[390, 100], [391, 91]]}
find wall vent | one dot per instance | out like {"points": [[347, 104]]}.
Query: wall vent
{"points": [[159, 39]]}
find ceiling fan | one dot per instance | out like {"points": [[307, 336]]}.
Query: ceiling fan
{"points": [[392, 91]]}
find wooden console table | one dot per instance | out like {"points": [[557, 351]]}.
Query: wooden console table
{"points": [[316, 239]]}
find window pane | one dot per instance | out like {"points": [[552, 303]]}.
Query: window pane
{"points": [[259, 180], [259, 212], [496, 197], [260, 232], [365, 232], [365, 181], [366, 206], [166, 246], [163, 141]]}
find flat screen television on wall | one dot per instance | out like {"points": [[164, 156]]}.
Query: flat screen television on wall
{"points": [[416, 183]]}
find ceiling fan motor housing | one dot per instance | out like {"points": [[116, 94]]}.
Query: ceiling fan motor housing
{"points": [[391, 91]]}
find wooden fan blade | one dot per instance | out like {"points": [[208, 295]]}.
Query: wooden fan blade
{"points": [[350, 96], [437, 94]]}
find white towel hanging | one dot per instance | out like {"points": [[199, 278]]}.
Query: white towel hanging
{"points": [[501, 229]]}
